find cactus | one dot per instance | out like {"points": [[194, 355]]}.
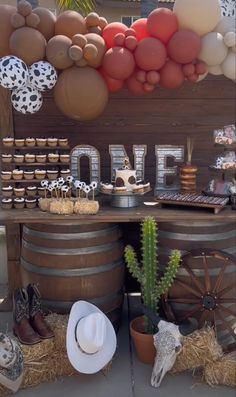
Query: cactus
{"points": [[147, 274]]}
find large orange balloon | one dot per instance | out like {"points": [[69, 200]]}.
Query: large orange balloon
{"points": [[171, 75], [112, 84], [150, 54], [111, 30], [135, 86], [70, 23], [162, 23], [184, 46], [6, 28], [140, 27], [28, 44], [57, 52], [47, 22], [81, 93], [99, 43], [118, 63]]}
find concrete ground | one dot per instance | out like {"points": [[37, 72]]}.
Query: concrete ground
{"points": [[127, 377]]}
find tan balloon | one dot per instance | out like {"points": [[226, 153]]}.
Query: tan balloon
{"points": [[229, 66], [28, 44], [199, 15], [57, 52], [17, 20], [70, 23], [47, 22], [99, 43], [225, 24], [24, 8], [92, 19], [81, 93], [215, 70], [80, 40], [6, 28], [213, 50], [230, 39], [32, 20]]}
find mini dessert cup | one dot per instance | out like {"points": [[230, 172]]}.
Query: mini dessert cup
{"points": [[53, 157], [6, 175], [65, 173], [18, 158], [52, 142], [52, 174], [7, 191], [31, 191], [8, 141], [29, 158], [30, 142], [19, 142], [30, 202], [63, 142], [64, 158], [6, 158], [29, 175], [7, 203], [42, 191], [41, 142], [19, 203], [40, 174], [41, 158], [17, 174], [19, 191]]}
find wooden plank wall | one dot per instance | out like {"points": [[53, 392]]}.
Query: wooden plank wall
{"points": [[163, 117]]}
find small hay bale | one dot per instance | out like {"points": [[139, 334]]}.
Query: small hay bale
{"points": [[222, 372], [39, 350], [58, 323], [199, 349]]}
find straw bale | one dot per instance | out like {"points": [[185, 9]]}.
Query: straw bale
{"points": [[199, 349], [222, 371], [58, 323]]}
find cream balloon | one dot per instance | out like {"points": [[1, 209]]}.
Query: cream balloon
{"points": [[226, 24], [230, 39], [215, 70], [229, 66], [213, 50], [201, 16]]}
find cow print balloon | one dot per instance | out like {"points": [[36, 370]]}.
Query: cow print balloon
{"points": [[42, 75], [13, 72], [27, 99]]}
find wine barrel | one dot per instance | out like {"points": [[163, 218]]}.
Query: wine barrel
{"points": [[73, 262]]}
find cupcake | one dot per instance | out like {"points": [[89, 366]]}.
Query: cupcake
{"points": [[6, 203], [30, 158], [106, 187], [40, 174], [7, 191], [17, 174], [31, 190], [19, 202], [65, 172], [120, 189], [19, 191], [41, 158], [52, 174], [6, 175], [63, 142], [18, 158], [30, 202], [41, 191], [41, 142], [6, 158], [28, 175], [52, 142], [19, 142], [30, 142], [53, 157], [8, 141], [64, 158]]}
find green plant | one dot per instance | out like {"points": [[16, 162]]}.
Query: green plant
{"points": [[147, 274]]}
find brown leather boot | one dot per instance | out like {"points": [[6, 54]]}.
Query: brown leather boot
{"points": [[22, 328], [37, 320]]}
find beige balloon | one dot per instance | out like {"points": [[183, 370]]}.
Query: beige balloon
{"points": [[199, 15], [213, 50], [230, 39], [229, 66], [215, 70], [226, 24]]}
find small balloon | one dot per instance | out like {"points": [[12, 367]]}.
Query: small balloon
{"points": [[42, 75], [141, 76], [140, 28], [111, 30], [119, 39], [27, 99], [153, 77], [131, 43], [13, 72]]}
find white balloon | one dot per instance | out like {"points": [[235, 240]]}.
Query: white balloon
{"points": [[213, 50], [230, 39], [199, 15], [13, 72], [215, 70], [229, 66], [226, 24], [27, 99], [42, 75]]}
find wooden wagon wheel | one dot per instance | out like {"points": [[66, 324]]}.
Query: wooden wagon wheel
{"points": [[206, 294]]}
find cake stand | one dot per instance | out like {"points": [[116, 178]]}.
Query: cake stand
{"points": [[126, 199]]}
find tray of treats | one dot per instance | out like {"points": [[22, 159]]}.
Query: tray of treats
{"points": [[192, 200], [35, 143]]}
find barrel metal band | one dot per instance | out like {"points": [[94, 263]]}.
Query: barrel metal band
{"points": [[69, 236], [197, 237]]}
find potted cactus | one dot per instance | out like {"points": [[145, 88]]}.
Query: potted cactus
{"points": [[152, 285]]}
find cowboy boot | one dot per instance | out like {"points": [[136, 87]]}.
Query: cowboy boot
{"points": [[37, 320], [21, 327]]}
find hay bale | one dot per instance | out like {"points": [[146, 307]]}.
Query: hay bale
{"points": [[199, 349], [58, 323], [222, 371]]}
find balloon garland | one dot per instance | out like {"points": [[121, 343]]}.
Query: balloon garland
{"points": [[95, 57]]}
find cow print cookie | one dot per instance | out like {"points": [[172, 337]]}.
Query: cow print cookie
{"points": [[27, 99], [42, 75], [13, 72]]}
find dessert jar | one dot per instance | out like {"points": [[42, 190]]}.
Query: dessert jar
{"points": [[6, 175], [19, 191], [19, 202], [7, 191], [7, 203], [17, 174], [6, 158]]}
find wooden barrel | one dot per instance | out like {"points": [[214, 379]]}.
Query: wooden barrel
{"points": [[72, 262]]}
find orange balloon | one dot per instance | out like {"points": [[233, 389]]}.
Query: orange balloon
{"points": [[153, 77], [150, 54], [47, 22], [188, 69], [112, 84], [118, 63], [57, 52], [111, 30], [81, 93], [194, 77], [141, 76], [28, 44], [6, 28], [184, 46], [131, 43], [130, 32], [162, 23], [140, 27], [90, 52], [148, 87], [135, 86], [70, 23], [119, 39], [171, 75]]}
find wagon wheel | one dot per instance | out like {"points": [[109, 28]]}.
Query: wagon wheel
{"points": [[208, 297]]}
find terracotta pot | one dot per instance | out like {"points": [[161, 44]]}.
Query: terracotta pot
{"points": [[143, 342]]}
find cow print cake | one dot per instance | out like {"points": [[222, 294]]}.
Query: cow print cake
{"points": [[27, 99], [126, 178], [13, 72], [42, 75]]}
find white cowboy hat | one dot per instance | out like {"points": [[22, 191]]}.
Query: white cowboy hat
{"points": [[11, 363], [90, 338]]}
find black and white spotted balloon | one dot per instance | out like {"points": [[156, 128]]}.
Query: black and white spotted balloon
{"points": [[13, 72], [42, 75], [27, 99]]}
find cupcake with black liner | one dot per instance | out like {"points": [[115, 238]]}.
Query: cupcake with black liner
{"points": [[29, 158], [30, 141], [52, 174], [17, 174], [31, 191], [7, 203], [30, 202], [19, 191], [52, 141], [28, 174], [7, 158], [41, 142], [63, 142], [40, 174], [53, 157], [41, 158], [6, 175], [7, 191], [66, 172], [8, 141], [19, 202], [64, 158]]}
